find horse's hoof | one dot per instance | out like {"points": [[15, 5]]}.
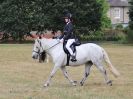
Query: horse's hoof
{"points": [[81, 83], [109, 83], [75, 82], [46, 85]]}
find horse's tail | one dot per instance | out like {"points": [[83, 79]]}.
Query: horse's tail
{"points": [[112, 68]]}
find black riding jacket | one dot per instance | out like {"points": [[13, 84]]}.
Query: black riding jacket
{"points": [[68, 31]]}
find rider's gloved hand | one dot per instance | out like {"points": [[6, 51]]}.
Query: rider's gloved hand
{"points": [[58, 40], [61, 40]]}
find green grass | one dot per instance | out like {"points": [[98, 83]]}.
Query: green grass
{"points": [[22, 78]]}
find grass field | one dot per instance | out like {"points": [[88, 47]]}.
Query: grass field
{"points": [[22, 78]]}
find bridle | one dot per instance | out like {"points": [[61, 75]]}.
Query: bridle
{"points": [[38, 52]]}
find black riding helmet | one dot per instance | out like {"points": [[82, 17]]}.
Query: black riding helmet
{"points": [[67, 14]]}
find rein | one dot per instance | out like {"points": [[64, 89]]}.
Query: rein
{"points": [[52, 46], [38, 52]]}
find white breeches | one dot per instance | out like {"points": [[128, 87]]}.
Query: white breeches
{"points": [[69, 43]]}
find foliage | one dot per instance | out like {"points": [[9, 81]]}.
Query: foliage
{"points": [[130, 36], [130, 31], [119, 27], [106, 22], [20, 16], [107, 35], [131, 14], [16, 17]]}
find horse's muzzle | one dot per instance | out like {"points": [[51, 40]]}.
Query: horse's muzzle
{"points": [[34, 56]]}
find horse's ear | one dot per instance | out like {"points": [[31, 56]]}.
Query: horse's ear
{"points": [[40, 37], [33, 36], [37, 39]]}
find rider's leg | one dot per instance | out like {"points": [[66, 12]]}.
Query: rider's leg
{"points": [[69, 43]]}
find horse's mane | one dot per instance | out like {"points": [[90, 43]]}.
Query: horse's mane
{"points": [[42, 57]]}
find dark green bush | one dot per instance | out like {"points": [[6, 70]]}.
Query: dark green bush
{"points": [[130, 36], [107, 35]]}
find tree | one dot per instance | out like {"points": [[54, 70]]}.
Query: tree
{"points": [[131, 14], [19, 16], [16, 17], [106, 22], [130, 30]]}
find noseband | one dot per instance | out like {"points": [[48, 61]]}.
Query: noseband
{"points": [[36, 52]]}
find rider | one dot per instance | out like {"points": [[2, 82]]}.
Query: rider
{"points": [[68, 35]]}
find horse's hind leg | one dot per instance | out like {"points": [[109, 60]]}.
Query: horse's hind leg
{"points": [[103, 71], [67, 76], [87, 72]]}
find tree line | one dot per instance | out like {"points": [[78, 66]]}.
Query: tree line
{"points": [[19, 17]]}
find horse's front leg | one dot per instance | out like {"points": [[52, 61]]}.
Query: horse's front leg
{"points": [[51, 75], [63, 68], [47, 58]]}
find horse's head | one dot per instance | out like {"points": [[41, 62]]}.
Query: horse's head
{"points": [[37, 49]]}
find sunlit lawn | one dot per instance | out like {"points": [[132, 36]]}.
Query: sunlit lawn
{"points": [[22, 78]]}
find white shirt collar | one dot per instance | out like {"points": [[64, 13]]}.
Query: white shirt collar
{"points": [[68, 22]]}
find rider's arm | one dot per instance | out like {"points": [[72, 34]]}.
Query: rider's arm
{"points": [[68, 31]]}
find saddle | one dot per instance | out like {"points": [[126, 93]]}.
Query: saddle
{"points": [[73, 47]]}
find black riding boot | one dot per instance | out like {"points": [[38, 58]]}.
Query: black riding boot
{"points": [[73, 58]]}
